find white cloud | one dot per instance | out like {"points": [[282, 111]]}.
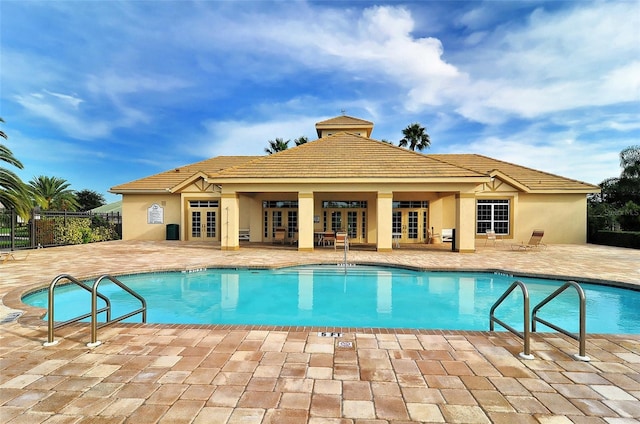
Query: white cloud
{"points": [[580, 57], [558, 152], [250, 138], [57, 109]]}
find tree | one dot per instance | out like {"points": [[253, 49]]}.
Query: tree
{"points": [[53, 193], [619, 198], [89, 199], [301, 140], [415, 137], [14, 194], [630, 162], [277, 146]]}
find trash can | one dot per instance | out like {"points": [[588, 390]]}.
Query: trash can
{"points": [[453, 240], [173, 232]]}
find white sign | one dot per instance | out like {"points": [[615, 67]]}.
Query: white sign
{"points": [[155, 214]]}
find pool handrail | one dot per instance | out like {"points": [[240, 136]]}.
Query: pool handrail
{"points": [[581, 337], [50, 309], [94, 308], [526, 354]]}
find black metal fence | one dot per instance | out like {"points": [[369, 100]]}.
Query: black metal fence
{"points": [[57, 228]]}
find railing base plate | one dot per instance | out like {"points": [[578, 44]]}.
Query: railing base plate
{"points": [[525, 356], [97, 343], [53, 343], [581, 358]]}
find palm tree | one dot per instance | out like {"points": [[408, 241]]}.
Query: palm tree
{"points": [[630, 162], [416, 137], [53, 193], [301, 140], [13, 192], [277, 146]]}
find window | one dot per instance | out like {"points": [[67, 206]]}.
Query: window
{"points": [[411, 204], [344, 204], [282, 204], [203, 203], [292, 223], [492, 214]]}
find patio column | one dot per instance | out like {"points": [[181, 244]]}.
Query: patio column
{"points": [[465, 222], [385, 217], [305, 222], [229, 221]]}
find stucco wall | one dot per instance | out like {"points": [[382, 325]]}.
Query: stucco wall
{"points": [[134, 216], [563, 217]]}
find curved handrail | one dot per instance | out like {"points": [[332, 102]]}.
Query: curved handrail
{"points": [[581, 337], [50, 318], [526, 354], [94, 307]]}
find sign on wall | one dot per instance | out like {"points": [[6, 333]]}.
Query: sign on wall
{"points": [[155, 214]]}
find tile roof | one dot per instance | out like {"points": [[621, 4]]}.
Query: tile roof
{"points": [[168, 179], [344, 123], [531, 179], [344, 120], [346, 156]]}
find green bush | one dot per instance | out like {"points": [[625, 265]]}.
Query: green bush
{"points": [[618, 238], [81, 231], [629, 217]]}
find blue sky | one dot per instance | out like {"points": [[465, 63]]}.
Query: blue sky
{"points": [[104, 92]]}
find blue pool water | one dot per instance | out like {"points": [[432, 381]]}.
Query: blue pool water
{"points": [[364, 296]]}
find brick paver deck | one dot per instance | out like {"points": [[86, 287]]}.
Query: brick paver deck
{"points": [[207, 374]]}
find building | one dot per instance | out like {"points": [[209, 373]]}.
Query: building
{"points": [[379, 193]]}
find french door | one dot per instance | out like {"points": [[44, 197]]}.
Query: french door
{"points": [[409, 226], [203, 224]]}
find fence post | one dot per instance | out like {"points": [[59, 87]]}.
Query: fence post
{"points": [[12, 229], [34, 231]]}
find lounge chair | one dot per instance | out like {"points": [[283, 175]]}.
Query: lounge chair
{"points": [[341, 240], [493, 237], [535, 242], [6, 256]]}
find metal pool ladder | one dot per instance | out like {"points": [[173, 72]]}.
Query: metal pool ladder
{"points": [[581, 337], [526, 354], [94, 307], [525, 335]]}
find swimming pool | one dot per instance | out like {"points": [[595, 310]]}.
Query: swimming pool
{"points": [[363, 296]]}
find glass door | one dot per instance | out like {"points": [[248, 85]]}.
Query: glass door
{"points": [[203, 225]]}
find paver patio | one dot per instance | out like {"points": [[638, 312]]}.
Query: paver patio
{"points": [[240, 374]]}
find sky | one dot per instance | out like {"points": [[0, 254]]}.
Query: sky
{"points": [[100, 93]]}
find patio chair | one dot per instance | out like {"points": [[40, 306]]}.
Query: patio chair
{"points": [[493, 237], [328, 238], [341, 240], [535, 242], [280, 235]]}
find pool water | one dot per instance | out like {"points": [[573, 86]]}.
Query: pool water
{"points": [[360, 296]]}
